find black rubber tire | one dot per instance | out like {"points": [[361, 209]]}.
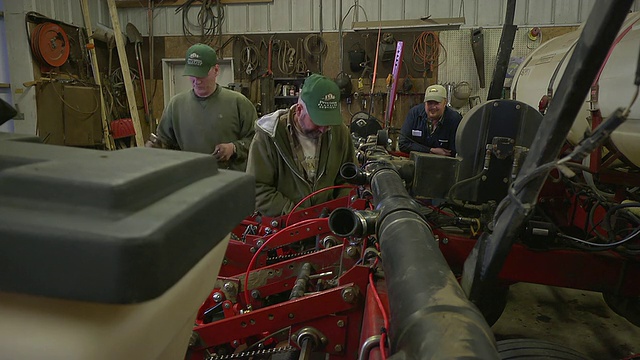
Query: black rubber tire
{"points": [[627, 307], [536, 349]]}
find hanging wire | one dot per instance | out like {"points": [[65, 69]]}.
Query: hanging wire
{"points": [[426, 52], [301, 63], [210, 18], [250, 55], [286, 58], [75, 108], [315, 45]]}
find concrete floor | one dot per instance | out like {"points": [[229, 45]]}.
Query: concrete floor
{"points": [[577, 319]]}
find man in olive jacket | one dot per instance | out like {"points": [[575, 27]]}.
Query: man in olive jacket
{"points": [[300, 150]]}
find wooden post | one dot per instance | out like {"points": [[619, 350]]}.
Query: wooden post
{"points": [[124, 66], [108, 139]]}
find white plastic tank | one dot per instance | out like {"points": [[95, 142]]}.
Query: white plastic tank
{"points": [[543, 69]]}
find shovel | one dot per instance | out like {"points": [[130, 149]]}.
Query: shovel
{"points": [[135, 37]]}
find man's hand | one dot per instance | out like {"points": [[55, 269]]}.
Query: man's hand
{"points": [[440, 151], [224, 152], [154, 142]]}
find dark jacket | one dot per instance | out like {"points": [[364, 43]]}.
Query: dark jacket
{"points": [[415, 134], [280, 183]]}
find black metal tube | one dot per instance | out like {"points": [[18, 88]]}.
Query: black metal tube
{"points": [[348, 222], [352, 174], [425, 299], [504, 53], [488, 256]]}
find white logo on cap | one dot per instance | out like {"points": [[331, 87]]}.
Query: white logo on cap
{"points": [[328, 102], [194, 59]]}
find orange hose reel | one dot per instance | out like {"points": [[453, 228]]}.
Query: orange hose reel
{"points": [[49, 44]]}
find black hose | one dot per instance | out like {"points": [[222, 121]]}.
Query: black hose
{"points": [[425, 299], [348, 222], [352, 174]]}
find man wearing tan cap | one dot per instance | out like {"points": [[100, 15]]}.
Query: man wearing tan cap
{"points": [[431, 127]]}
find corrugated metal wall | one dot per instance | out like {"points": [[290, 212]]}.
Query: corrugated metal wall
{"points": [[69, 11], [299, 16], [304, 16]]}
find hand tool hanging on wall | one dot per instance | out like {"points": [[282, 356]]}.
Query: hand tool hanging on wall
{"points": [[136, 38], [477, 46], [267, 92], [397, 62], [375, 64], [269, 57]]}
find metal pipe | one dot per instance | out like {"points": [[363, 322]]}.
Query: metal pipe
{"points": [[348, 222], [340, 39], [301, 283], [306, 347], [352, 174], [152, 121], [367, 346], [504, 52], [425, 299]]}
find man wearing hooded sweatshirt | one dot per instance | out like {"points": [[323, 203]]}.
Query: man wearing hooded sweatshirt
{"points": [[299, 150]]}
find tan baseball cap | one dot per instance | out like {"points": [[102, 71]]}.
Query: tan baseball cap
{"points": [[435, 93]]}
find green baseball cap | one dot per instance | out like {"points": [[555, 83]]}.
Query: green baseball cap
{"points": [[199, 60], [321, 96]]}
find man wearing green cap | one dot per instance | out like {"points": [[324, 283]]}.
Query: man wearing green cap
{"points": [[299, 150], [208, 118]]}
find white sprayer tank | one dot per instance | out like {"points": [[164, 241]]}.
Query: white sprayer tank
{"points": [[544, 68]]}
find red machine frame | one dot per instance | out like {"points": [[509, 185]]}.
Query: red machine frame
{"points": [[346, 315]]}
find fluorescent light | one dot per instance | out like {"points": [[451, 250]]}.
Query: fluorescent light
{"points": [[424, 23]]}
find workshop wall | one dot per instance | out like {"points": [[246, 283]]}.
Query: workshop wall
{"points": [[18, 50], [449, 60], [281, 16]]}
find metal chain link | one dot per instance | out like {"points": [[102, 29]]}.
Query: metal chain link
{"points": [[248, 354], [290, 256]]}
